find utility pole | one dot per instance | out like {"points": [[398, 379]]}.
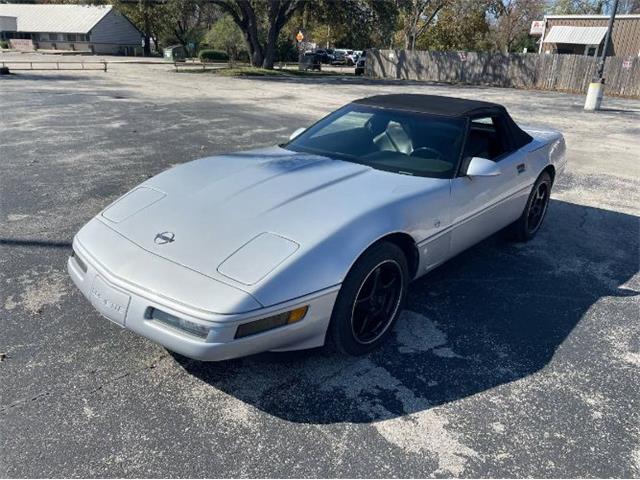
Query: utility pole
{"points": [[596, 87]]}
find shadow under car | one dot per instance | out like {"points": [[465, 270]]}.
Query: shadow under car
{"points": [[492, 315]]}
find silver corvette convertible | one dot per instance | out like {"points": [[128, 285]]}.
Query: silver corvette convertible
{"points": [[315, 240]]}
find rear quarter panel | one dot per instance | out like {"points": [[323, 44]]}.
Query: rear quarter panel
{"points": [[548, 148]]}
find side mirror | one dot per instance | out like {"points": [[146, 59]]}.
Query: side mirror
{"points": [[482, 167], [296, 133]]}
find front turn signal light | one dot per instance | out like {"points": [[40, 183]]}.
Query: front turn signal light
{"points": [[297, 314], [269, 323]]}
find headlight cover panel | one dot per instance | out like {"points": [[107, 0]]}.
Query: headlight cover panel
{"points": [[131, 203], [257, 258]]}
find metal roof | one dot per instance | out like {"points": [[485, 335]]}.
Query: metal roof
{"points": [[55, 18], [575, 35], [7, 24], [594, 17]]}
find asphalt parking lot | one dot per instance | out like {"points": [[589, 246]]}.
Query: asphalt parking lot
{"points": [[510, 360]]}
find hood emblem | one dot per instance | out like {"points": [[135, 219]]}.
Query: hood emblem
{"points": [[164, 238]]}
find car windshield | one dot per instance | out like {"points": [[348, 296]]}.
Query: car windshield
{"points": [[401, 142]]}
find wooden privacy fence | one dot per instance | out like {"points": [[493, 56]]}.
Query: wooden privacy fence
{"points": [[570, 73]]}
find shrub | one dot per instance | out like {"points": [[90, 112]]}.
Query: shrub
{"points": [[213, 56], [225, 35], [243, 56], [4, 44]]}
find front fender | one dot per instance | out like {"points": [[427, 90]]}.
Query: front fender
{"points": [[326, 262]]}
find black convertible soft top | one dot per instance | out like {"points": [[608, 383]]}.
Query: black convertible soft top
{"points": [[449, 107], [434, 104]]}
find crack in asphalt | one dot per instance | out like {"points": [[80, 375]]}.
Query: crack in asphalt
{"points": [[583, 219], [149, 366]]}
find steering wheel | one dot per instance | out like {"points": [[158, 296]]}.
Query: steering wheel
{"points": [[420, 152]]}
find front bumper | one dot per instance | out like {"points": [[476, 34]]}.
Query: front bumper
{"points": [[129, 307]]}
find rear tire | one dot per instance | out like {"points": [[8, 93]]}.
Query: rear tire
{"points": [[370, 300], [526, 227]]}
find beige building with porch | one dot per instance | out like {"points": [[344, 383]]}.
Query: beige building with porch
{"points": [[85, 28], [584, 35]]}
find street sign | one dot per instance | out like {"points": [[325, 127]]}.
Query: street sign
{"points": [[537, 27]]}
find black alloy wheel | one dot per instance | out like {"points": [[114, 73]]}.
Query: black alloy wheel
{"points": [[370, 300], [377, 301], [538, 207], [526, 227]]}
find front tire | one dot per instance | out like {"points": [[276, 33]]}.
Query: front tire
{"points": [[370, 300], [526, 227]]}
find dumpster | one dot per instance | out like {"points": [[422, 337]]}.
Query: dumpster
{"points": [[309, 61], [175, 53]]}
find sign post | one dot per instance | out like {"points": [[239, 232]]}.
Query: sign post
{"points": [[299, 46], [596, 87]]}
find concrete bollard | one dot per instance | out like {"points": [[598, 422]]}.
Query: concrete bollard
{"points": [[594, 96]]}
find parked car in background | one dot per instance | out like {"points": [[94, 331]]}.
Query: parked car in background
{"points": [[351, 58], [360, 63], [340, 55], [325, 55]]}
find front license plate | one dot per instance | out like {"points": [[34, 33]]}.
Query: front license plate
{"points": [[109, 301]]}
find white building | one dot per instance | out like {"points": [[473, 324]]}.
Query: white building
{"points": [[89, 28]]}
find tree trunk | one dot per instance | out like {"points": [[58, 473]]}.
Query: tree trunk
{"points": [[253, 40], [270, 53], [147, 31], [269, 59], [272, 43], [147, 45], [156, 42], [255, 49], [244, 16], [409, 41], [257, 59]]}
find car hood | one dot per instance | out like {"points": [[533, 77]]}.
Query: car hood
{"points": [[237, 217]]}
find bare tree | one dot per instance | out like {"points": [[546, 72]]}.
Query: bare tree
{"points": [[578, 7], [512, 21], [461, 25], [629, 6], [248, 15], [418, 16]]}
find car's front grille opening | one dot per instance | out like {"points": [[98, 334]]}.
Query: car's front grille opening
{"points": [[79, 261], [177, 323]]}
